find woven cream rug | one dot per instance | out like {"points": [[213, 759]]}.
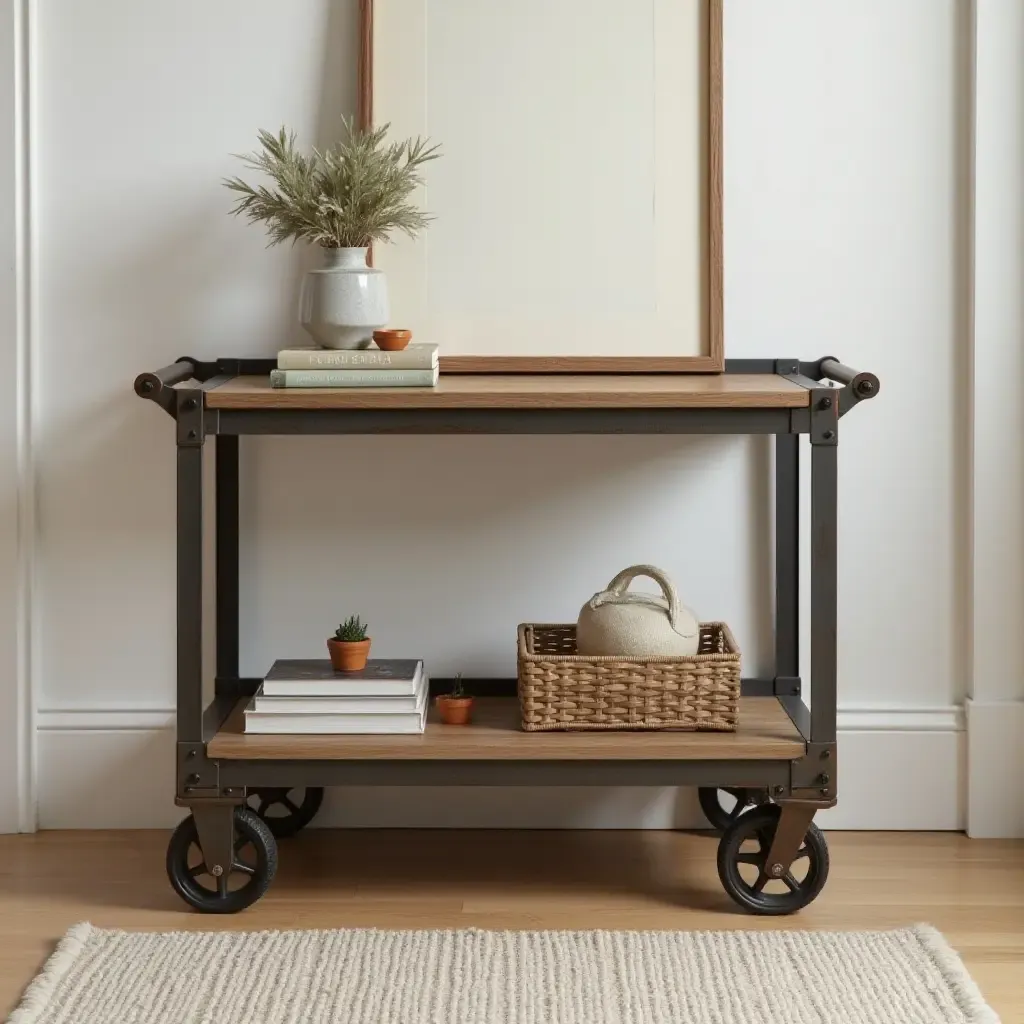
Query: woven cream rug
{"points": [[481, 977]]}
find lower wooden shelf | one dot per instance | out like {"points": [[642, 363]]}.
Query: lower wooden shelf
{"points": [[765, 732]]}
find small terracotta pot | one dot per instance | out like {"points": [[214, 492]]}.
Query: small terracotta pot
{"points": [[348, 656], [454, 710], [392, 340]]}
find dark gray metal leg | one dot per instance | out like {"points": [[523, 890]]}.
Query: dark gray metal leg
{"points": [[787, 557], [226, 501], [824, 509], [190, 593]]}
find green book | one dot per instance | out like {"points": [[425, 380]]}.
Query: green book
{"points": [[353, 378]]}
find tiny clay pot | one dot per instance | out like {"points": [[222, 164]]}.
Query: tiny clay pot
{"points": [[454, 710], [349, 655]]}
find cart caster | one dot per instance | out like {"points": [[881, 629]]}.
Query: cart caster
{"points": [[284, 813], [745, 873], [248, 878], [737, 801]]}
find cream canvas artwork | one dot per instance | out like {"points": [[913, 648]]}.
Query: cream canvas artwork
{"points": [[577, 205]]}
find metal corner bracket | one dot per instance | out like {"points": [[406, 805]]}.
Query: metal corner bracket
{"points": [[824, 416], [787, 686], [813, 776]]}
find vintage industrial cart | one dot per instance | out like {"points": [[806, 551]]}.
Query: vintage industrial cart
{"points": [[778, 768]]}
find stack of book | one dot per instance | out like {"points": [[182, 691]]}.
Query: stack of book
{"points": [[307, 697], [413, 366]]}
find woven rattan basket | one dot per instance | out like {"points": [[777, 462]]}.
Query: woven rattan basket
{"points": [[559, 689]]}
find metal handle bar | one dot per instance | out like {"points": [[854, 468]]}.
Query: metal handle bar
{"points": [[149, 385], [862, 383]]}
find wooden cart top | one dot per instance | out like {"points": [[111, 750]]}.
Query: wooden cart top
{"points": [[765, 732], [513, 391]]}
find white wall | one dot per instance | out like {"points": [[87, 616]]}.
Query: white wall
{"points": [[847, 222]]}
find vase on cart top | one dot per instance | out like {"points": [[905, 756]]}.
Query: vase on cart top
{"points": [[344, 301]]}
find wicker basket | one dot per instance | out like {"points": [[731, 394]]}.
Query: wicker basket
{"points": [[560, 689]]}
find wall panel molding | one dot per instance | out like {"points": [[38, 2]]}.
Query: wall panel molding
{"points": [[83, 750], [17, 413], [996, 472]]}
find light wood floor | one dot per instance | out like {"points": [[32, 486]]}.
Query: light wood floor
{"points": [[972, 890]]}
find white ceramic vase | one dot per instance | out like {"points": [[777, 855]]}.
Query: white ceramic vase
{"points": [[344, 301]]}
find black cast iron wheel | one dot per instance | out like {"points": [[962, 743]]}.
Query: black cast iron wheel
{"points": [[738, 801], [252, 870], [743, 868], [285, 810]]}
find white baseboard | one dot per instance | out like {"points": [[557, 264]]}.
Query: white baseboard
{"points": [[995, 761], [900, 769]]}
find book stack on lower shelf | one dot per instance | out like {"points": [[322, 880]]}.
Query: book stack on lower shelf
{"points": [[413, 366], [308, 697]]}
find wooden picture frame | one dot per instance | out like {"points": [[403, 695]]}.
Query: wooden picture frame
{"points": [[697, 345]]}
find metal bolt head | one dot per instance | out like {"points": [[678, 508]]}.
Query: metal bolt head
{"points": [[779, 790], [216, 871], [823, 779], [192, 435], [829, 435], [866, 387], [147, 386], [776, 870], [825, 403], [193, 780], [824, 792], [826, 754], [192, 754], [190, 403]]}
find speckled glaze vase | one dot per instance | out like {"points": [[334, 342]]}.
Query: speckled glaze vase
{"points": [[344, 301]]}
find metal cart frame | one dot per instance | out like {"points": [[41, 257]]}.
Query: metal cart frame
{"points": [[213, 789]]}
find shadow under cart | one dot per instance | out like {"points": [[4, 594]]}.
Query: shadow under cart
{"points": [[759, 785]]}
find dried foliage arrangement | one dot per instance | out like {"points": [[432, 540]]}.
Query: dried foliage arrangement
{"points": [[352, 194]]}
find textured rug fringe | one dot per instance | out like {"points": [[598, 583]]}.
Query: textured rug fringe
{"points": [[952, 968], [37, 996], [942, 978]]}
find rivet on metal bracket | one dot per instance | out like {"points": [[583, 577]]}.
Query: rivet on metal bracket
{"points": [[190, 418]]}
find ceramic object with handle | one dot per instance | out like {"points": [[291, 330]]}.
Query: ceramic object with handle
{"points": [[628, 623]]}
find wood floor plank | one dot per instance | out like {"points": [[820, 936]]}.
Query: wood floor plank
{"points": [[972, 890]]}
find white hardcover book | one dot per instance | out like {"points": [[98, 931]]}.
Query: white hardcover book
{"points": [[314, 677], [348, 705], [269, 723], [417, 356]]}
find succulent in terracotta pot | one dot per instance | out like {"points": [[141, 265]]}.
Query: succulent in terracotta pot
{"points": [[456, 707], [350, 646]]}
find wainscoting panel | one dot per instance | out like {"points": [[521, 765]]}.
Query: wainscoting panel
{"points": [[899, 769]]}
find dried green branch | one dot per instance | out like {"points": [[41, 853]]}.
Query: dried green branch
{"points": [[354, 193]]}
